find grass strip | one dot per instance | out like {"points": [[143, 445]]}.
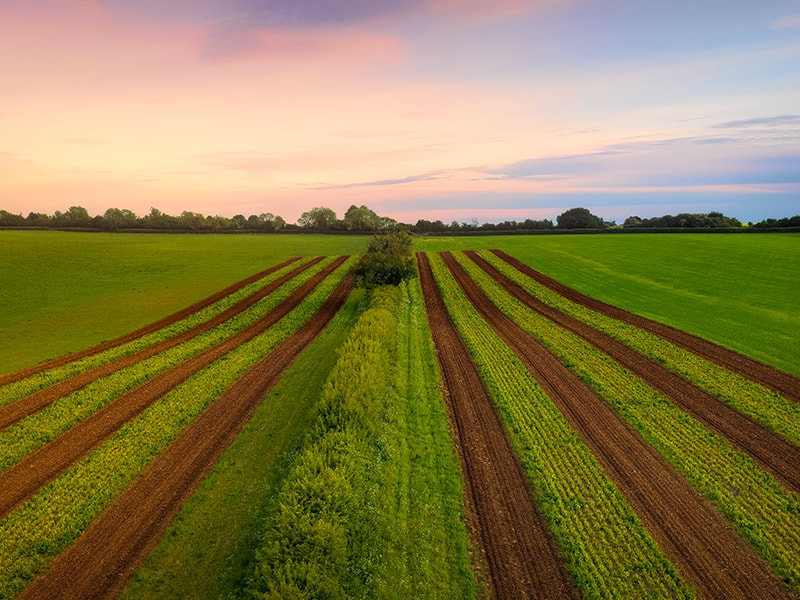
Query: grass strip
{"points": [[753, 502], [608, 552], [344, 526], [47, 523]]}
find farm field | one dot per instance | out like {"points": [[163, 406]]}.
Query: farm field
{"points": [[481, 430]]}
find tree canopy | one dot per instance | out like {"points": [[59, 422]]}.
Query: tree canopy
{"points": [[388, 260], [579, 218]]}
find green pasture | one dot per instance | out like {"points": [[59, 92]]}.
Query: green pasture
{"points": [[61, 292], [64, 291], [741, 291]]}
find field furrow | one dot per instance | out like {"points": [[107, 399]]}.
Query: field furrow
{"points": [[23, 479], [692, 533], [18, 410], [103, 558], [522, 559], [784, 383], [152, 327], [771, 451]]}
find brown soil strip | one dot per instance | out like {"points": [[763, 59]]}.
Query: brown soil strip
{"points": [[18, 410], [22, 480], [100, 562], [522, 559], [784, 383], [770, 450], [168, 320], [693, 535]]}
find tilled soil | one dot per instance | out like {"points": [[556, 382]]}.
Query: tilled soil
{"points": [[770, 450], [522, 559], [693, 535], [152, 327], [22, 480], [784, 383], [100, 562], [18, 410]]}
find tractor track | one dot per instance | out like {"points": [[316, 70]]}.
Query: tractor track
{"points": [[771, 451], [19, 409], [147, 329], [774, 379], [693, 535], [25, 478], [522, 559], [101, 561]]}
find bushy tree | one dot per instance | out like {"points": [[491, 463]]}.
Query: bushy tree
{"points": [[319, 218], [579, 218], [388, 261]]}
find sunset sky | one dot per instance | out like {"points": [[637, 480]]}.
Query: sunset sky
{"points": [[435, 109]]}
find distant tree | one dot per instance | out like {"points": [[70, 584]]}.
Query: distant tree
{"points": [[361, 218], [319, 218], [115, 218], [8, 219], [579, 218], [388, 260]]}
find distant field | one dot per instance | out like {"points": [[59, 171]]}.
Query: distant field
{"points": [[62, 292], [740, 291]]}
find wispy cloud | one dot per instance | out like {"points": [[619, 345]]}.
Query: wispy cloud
{"points": [[430, 176], [761, 121]]}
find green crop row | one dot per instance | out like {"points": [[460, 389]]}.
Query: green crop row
{"points": [[31, 384], [770, 409], [755, 504], [608, 552], [43, 426], [43, 526], [343, 526]]}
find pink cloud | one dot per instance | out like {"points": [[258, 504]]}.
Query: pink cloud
{"points": [[226, 43]]}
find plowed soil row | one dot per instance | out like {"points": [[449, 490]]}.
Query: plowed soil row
{"points": [[784, 383], [690, 531], [22, 480], [770, 450], [521, 557], [152, 327], [18, 410], [100, 562]]}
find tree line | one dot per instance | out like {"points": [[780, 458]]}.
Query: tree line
{"points": [[361, 219]]}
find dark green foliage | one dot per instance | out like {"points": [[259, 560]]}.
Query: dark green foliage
{"points": [[711, 220], [388, 261], [579, 218]]}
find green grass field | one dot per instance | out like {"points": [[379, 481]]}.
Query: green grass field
{"points": [[740, 291], [62, 292]]}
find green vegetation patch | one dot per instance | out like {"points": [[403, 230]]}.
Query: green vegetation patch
{"points": [[348, 521]]}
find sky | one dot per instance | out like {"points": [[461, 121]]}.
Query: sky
{"points": [[463, 110]]}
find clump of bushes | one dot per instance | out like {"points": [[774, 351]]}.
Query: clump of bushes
{"points": [[325, 538], [388, 261]]}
